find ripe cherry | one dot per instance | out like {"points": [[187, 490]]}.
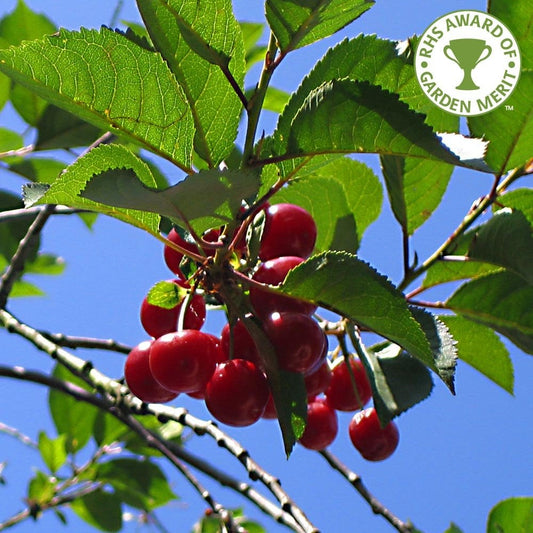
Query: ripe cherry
{"points": [[318, 380], [374, 443], [237, 393], [340, 393], [289, 230], [243, 345], [139, 377], [297, 339], [270, 412], [273, 272], [322, 426], [173, 257], [157, 321], [184, 361]]}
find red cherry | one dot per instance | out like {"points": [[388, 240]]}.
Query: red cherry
{"points": [[340, 394], [373, 442], [237, 393], [184, 361], [270, 412], [289, 230], [297, 340], [318, 381], [200, 394], [157, 321], [322, 426], [243, 344], [273, 272], [211, 236], [139, 378], [172, 257]]}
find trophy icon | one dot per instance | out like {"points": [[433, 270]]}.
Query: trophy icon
{"points": [[467, 53]]}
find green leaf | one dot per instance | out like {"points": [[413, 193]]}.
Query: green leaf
{"points": [[53, 451], [107, 80], [510, 132], [208, 28], [71, 418], [415, 188], [442, 345], [107, 429], [275, 100], [521, 199], [5, 89], [38, 169], [444, 271], [344, 196], [47, 264], [502, 301], [251, 33], [344, 284], [67, 188], [344, 116], [398, 381], [100, 509], [41, 488], [23, 289], [482, 349], [379, 62], [205, 200], [10, 140], [27, 104], [166, 294], [513, 515], [506, 240], [57, 129], [297, 24], [139, 483], [454, 529]]}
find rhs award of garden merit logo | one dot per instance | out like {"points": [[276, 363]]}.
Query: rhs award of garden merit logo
{"points": [[467, 62]]}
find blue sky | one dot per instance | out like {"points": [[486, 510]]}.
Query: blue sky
{"points": [[457, 457]]}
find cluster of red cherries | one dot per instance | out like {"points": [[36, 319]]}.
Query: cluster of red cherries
{"points": [[227, 372]]}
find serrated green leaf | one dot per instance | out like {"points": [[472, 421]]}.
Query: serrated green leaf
{"points": [[208, 28], [68, 186], [444, 271], [107, 80], [506, 240], [100, 509], [139, 483], [5, 89], [502, 301], [297, 24], [442, 345], [398, 381], [344, 116], [347, 285], [513, 515], [53, 451], [415, 188], [57, 129], [27, 104], [379, 62], [72, 418], [204, 200], [166, 294], [482, 349]]}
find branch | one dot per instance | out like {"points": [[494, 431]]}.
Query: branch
{"points": [[69, 341], [13, 214], [356, 481]]}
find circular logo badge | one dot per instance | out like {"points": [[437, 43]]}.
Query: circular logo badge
{"points": [[467, 62]]}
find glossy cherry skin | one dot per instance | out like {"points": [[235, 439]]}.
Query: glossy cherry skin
{"points": [[237, 393], [318, 380], [372, 441], [297, 340], [340, 393], [270, 412], [157, 321], [273, 272], [139, 377], [289, 230], [184, 361], [243, 344], [173, 257], [322, 426]]}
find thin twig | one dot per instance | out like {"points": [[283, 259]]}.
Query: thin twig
{"points": [[356, 481], [13, 214], [19, 152], [70, 341], [13, 432]]}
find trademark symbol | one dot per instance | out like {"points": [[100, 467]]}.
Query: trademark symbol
{"points": [[509, 107]]}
